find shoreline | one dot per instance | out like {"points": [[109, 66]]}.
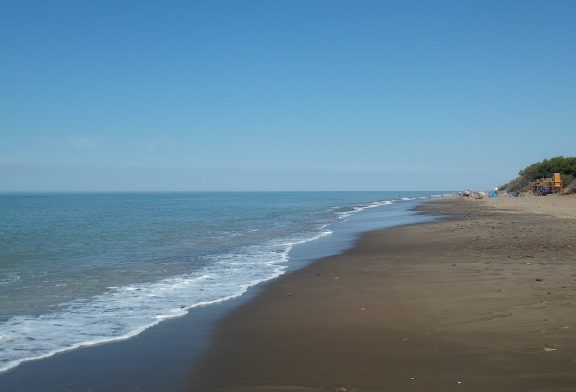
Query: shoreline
{"points": [[480, 301], [160, 358]]}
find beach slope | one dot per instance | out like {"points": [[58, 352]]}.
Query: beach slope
{"points": [[482, 301]]}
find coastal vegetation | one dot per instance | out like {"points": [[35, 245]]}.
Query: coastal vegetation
{"points": [[566, 166]]}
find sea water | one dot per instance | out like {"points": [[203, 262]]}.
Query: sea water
{"points": [[83, 269]]}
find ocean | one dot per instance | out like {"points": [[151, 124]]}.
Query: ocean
{"points": [[83, 269]]}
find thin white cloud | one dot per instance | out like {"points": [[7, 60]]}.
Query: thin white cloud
{"points": [[82, 141], [159, 143]]}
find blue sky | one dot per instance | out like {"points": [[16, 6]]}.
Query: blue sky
{"points": [[282, 95]]}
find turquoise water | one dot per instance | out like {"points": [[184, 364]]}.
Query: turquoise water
{"points": [[82, 269]]}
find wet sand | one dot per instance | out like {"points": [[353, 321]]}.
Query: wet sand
{"points": [[482, 301]]}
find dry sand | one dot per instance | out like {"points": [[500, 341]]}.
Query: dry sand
{"points": [[484, 301], [559, 206]]}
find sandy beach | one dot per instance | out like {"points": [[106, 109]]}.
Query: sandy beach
{"points": [[482, 301], [558, 206]]}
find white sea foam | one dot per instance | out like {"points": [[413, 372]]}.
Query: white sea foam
{"points": [[356, 209], [123, 312], [9, 278], [126, 311]]}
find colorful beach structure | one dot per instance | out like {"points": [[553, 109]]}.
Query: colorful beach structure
{"points": [[557, 178], [544, 186]]}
